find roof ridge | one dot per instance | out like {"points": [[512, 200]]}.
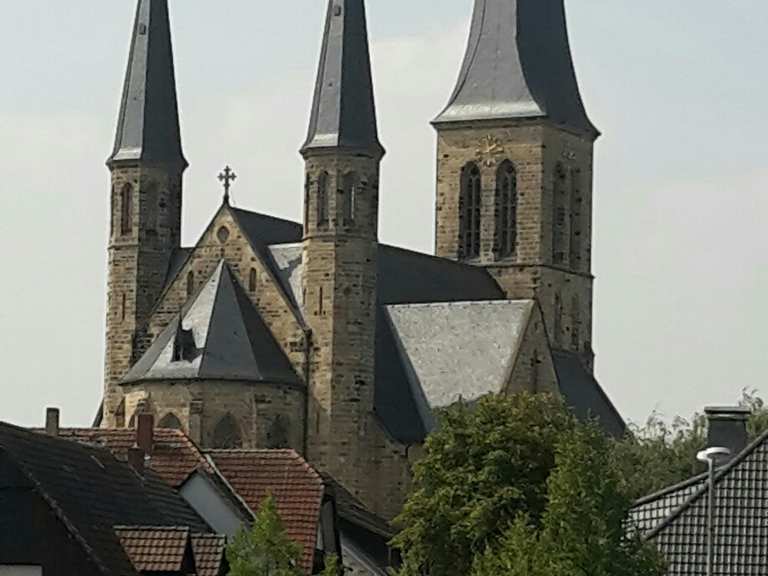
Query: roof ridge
{"points": [[456, 303], [719, 475], [57, 510], [152, 527]]}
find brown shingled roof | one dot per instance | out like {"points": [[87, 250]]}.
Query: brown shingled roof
{"points": [[209, 554], [154, 549], [298, 490], [173, 458]]}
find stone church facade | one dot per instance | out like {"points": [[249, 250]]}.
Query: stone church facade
{"points": [[315, 336]]}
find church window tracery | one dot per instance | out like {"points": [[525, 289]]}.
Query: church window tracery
{"points": [[470, 206], [322, 199], [126, 209], [559, 216], [227, 434], [506, 198]]}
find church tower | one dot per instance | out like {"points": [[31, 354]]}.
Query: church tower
{"points": [[514, 166], [147, 165], [342, 154]]}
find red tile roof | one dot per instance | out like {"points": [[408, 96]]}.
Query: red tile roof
{"points": [[209, 554], [174, 456], [296, 487], [154, 549]]}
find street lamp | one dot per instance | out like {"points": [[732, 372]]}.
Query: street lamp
{"points": [[710, 456]]}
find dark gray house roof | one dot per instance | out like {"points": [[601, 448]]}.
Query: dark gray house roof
{"points": [[89, 492], [219, 335], [343, 110], [741, 501], [148, 124], [518, 65]]}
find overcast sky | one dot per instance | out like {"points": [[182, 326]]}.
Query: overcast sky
{"points": [[678, 88]]}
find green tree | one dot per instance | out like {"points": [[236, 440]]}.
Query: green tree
{"points": [[582, 530], [483, 467], [332, 566], [265, 549], [658, 455]]}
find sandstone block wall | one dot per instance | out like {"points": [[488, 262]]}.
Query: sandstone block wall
{"points": [[340, 306], [552, 262], [200, 406], [138, 263]]}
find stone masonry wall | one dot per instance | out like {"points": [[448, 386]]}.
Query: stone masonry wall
{"points": [[201, 405], [533, 370], [138, 262], [340, 307], [539, 151]]}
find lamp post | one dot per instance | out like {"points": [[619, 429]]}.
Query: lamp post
{"points": [[710, 456]]}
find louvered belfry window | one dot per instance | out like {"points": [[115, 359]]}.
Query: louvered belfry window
{"points": [[506, 194], [470, 207]]}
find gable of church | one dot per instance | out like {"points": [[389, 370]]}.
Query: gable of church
{"points": [[239, 239]]}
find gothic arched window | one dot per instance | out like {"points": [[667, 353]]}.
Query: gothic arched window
{"points": [[575, 323], [277, 435], [470, 207], [190, 284], [126, 209], [252, 278], [350, 191], [170, 421], [575, 220], [506, 198], [227, 435], [559, 216], [322, 199]]}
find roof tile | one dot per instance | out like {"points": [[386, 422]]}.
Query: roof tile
{"points": [[298, 490]]}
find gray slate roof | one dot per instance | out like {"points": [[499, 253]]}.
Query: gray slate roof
{"points": [[343, 110], [518, 65], [218, 336], [458, 351], [584, 395], [404, 277], [148, 124], [741, 500]]}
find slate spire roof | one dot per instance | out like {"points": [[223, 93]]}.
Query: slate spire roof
{"points": [[518, 65], [219, 335], [343, 111], [148, 124]]}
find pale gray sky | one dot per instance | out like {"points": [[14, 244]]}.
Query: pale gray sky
{"points": [[678, 88]]}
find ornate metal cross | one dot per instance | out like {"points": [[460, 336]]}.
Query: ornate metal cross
{"points": [[227, 177]]}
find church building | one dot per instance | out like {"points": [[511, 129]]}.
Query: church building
{"points": [[315, 336]]}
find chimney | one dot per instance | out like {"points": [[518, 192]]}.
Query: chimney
{"points": [[728, 428], [145, 433], [52, 421], [136, 459]]}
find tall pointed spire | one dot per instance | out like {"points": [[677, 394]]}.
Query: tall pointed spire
{"points": [[343, 111], [518, 65], [148, 125]]}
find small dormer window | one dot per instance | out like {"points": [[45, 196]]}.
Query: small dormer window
{"points": [[184, 345]]}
